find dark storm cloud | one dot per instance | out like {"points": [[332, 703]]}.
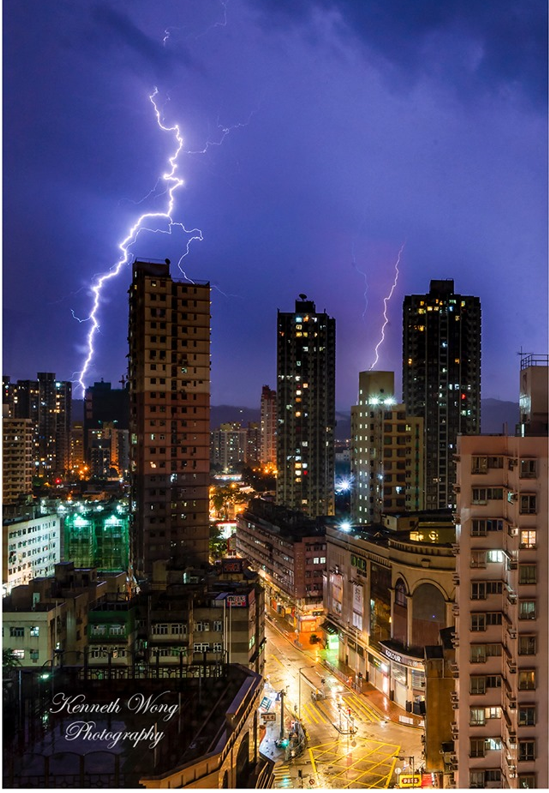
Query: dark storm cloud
{"points": [[503, 42], [116, 27]]}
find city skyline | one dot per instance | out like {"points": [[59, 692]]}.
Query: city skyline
{"points": [[333, 135]]}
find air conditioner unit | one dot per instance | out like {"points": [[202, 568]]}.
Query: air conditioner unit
{"points": [[455, 578], [512, 462], [455, 705], [513, 668], [512, 738], [455, 610], [454, 696], [512, 633]]}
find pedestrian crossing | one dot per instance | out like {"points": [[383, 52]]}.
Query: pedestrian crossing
{"points": [[282, 776], [314, 713], [320, 713], [361, 709]]}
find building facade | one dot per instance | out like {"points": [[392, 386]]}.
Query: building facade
{"points": [[441, 379], [306, 409], [288, 550], [105, 405], [268, 426], [387, 460], [169, 375], [31, 547], [388, 594], [98, 536], [502, 718], [48, 403], [17, 460]]}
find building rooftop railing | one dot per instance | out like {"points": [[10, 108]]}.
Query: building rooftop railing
{"points": [[530, 359]]}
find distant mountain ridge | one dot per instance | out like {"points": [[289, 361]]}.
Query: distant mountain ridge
{"points": [[495, 415]]}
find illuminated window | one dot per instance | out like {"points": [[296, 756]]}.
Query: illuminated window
{"points": [[528, 538]]}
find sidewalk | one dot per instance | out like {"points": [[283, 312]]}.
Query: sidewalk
{"points": [[385, 707]]}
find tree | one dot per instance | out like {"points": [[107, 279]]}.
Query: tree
{"points": [[9, 659]]}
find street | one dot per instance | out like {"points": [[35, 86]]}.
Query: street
{"points": [[350, 743]]}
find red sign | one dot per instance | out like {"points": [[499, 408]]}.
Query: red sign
{"points": [[236, 601]]}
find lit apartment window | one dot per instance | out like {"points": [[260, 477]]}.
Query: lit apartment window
{"points": [[527, 680], [528, 538]]}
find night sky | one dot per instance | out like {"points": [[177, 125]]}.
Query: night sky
{"points": [[319, 137]]}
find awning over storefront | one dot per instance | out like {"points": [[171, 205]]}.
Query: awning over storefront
{"points": [[329, 627]]}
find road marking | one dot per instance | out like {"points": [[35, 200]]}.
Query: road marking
{"points": [[282, 776], [313, 712], [357, 704], [361, 764]]}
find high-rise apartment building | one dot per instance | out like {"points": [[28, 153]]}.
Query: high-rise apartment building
{"points": [[441, 379], [306, 409], [268, 426], [17, 461], [502, 600], [169, 374], [104, 404], [228, 446], [386, 452], [48, 403]]}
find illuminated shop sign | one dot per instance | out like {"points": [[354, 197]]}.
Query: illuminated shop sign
{"points": [[399, 658]]}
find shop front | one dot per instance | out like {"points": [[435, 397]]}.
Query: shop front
{"points": [[407, 678], [378, 674]]}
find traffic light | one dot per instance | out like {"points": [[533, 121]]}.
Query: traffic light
{"points": [[349, 711]]}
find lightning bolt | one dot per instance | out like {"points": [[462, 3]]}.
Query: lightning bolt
{"points": [[173, 183], [385, 304]]}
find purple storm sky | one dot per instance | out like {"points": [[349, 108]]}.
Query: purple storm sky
{"points": [[354, 126]]}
